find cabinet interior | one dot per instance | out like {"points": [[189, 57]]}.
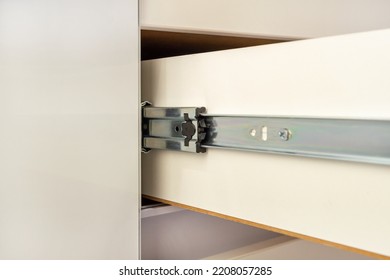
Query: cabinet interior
{"points": [[161, 44]]}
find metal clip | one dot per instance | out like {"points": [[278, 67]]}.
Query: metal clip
{"points": [[177, 129]]}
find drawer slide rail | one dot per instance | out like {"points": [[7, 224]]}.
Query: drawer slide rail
{"points": [[192, 130]]}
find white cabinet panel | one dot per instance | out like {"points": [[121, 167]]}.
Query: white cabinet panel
{"points": [[277, 18], [343, 76], [69, 147]]}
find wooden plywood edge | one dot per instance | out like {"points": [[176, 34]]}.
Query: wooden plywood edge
{"points": [[273, 229]]}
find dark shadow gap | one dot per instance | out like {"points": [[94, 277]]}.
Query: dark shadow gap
{"points": [[159, 44]]}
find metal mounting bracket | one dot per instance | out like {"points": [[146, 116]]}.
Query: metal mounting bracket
{"points": [[192, 130], [177, 129]]}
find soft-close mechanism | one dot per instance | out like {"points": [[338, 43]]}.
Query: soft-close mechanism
{"points": [[190, 129]]}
